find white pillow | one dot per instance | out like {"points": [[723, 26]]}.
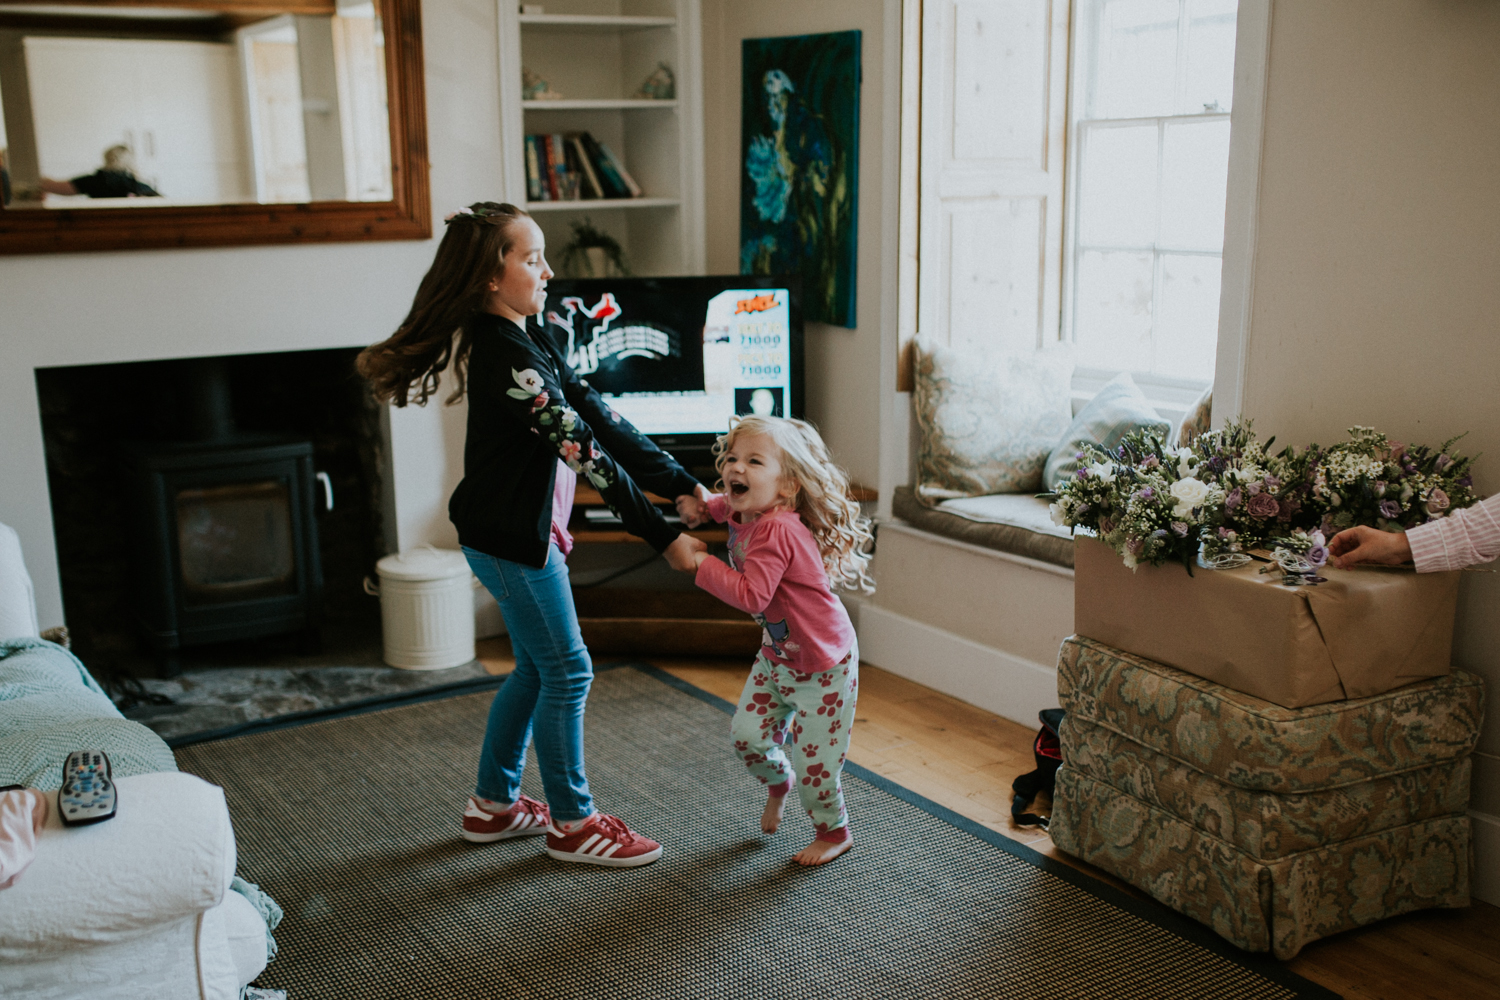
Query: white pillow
{"points": [[987, 419]]}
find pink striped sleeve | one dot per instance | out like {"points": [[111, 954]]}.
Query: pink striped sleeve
{"points": [[1461, 539]]}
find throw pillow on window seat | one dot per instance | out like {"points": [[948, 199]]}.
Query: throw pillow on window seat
{"points": [[986, 418], [1197, 420], [1116, 410]]}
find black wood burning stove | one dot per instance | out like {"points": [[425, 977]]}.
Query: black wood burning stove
{"points": [[224, 536]]}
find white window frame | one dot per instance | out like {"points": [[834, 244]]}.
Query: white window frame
{"points": [[1172, 395]]}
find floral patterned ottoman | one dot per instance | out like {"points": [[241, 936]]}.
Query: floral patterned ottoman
{"points": [[1273, 826]]}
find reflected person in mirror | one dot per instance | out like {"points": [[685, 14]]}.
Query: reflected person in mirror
{"points": [[534, 427], [116, 179]]}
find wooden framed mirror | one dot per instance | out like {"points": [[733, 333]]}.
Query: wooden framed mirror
{"points": [[135, 124]]}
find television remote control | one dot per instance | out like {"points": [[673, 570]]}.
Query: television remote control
{"points": [[87, 794]]}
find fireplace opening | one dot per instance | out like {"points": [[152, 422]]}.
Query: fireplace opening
{"points": [[215, 511]]}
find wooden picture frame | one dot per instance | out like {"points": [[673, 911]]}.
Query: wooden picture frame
{"points": [[408, 216]]}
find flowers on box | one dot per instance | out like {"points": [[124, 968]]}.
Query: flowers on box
{"points": [[1227, 494]]}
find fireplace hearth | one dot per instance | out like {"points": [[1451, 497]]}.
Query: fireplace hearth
{"points": [[215, 512]]}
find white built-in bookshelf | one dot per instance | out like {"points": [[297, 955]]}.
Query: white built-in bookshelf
{"points": [[597, 54]]}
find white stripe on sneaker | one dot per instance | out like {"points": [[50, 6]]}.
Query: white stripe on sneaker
{"points": [[600, 848], [584, 847], [612, 850], [519, 820]]}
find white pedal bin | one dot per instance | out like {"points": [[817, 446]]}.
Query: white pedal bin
{"points": [[427, 608]]}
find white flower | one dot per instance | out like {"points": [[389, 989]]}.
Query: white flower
{"points": [[1185, 458], [1188, 493], [528, 379], [1059, 517], [1103, 471], [1246, 474], [1130, 560]]}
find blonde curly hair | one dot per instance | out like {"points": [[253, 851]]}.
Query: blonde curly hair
{"points": [[842, 533]]}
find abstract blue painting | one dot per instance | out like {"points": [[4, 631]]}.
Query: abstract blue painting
{"points": [[800, 186]]}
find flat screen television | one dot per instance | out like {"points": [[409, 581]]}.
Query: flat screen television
{"points": [[678, 357]]}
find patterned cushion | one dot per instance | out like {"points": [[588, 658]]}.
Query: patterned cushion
{"points": [[1276, 906], [1116, 410], [1197, 420], [1253, 744], [1264, 825], [987, 419]]}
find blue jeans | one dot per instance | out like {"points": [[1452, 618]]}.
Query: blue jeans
{"points": [[544, 696]]}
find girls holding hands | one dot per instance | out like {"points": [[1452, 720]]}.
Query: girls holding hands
{"points": [[793, 534]]}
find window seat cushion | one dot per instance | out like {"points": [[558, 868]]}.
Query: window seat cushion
{"points": [[1017, 523]]}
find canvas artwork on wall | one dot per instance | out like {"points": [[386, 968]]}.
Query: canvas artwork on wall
{"points": [[800, 185]]}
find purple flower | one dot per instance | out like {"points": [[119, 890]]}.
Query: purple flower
{"points": [[1233, 499], [1272, 482], [1151, 462], [1081, 510], [1317, 555], [1262, 505], [1443, 461], [1145, 494], [1390, 509], [1466, 481], [1081, 473], [1180, 529], [1437, 502], [1135, 546]]}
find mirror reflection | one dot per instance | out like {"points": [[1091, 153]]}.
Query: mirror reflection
{"points": [[129, 106]]}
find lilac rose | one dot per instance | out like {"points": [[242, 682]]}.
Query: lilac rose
{"points": [[1437, 502], [1390, 509], [1262, 505], [1233, 499]]}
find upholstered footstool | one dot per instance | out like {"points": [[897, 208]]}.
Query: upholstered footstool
{"points": [[1273, 826]]}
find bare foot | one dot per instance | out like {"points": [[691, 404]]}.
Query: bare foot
{"points": [[820, 852], [770, 819]]}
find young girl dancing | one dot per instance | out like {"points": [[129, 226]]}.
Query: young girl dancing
{"points": [[793, 535], [534, 426]]}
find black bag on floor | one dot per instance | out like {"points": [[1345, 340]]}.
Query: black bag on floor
{"points": [[1048, 756]]}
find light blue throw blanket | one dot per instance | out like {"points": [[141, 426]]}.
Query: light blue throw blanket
{"points": [[51, 706]]}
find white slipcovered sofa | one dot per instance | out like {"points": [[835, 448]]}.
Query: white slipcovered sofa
{"points": [[138, 906]]}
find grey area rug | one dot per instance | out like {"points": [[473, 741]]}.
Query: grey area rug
{"points": [[217, 699], [352, 825]]}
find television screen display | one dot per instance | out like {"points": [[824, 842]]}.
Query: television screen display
{"points": [[678, 357]]}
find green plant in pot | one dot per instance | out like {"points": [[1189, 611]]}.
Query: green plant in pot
{"points": [[592, 253]]}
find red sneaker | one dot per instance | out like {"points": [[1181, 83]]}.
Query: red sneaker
{"points": [[526, 818], [602, 840]]}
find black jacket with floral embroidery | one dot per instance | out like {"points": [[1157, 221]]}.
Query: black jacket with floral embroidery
{"points": [[527, 409]]}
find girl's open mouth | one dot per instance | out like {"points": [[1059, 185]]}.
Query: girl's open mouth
{"points": [[739, 489]]}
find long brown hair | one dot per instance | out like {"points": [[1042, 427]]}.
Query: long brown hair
{"points": [[408, 365]]}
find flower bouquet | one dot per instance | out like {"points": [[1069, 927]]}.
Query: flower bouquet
{"points": [[1227, 493]]}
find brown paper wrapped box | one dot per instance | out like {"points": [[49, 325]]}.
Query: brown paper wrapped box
{"points": [[1364, 632]]}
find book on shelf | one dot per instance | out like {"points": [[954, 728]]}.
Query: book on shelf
{"points": [[618, 167], [590, 187], [534, 190], [575, 166]]}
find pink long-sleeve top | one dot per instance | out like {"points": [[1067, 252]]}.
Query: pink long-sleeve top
{"points": [[1463, 538], [776, 575]]}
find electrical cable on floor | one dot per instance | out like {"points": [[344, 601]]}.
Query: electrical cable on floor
{"points": [[618, 573]]}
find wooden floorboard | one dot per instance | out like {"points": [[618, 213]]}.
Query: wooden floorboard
{"points": [[965, 758]]}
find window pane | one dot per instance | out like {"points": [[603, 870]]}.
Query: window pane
{"points": [[1210, 56], [1136, 59], [1195, 175], [1117, 187], [1112, 309], [1187, 321]]}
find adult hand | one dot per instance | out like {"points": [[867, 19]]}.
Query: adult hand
{"points": [[1369, 545], [693, 507], [682, 553]]}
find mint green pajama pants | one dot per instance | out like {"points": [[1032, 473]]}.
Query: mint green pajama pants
{"points": [[785, 715]]}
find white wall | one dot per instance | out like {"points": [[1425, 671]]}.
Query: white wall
{"points": [[848, 370], [1377, 252], [69, 309]]}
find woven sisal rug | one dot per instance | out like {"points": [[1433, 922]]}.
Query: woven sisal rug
{"points": [[351, 824]]}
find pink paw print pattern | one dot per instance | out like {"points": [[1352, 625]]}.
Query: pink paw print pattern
{"points": [[831, 705], [835, 726], [816, 775], [760, 703], [811, 750], [826, 678], [740, 746]]}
